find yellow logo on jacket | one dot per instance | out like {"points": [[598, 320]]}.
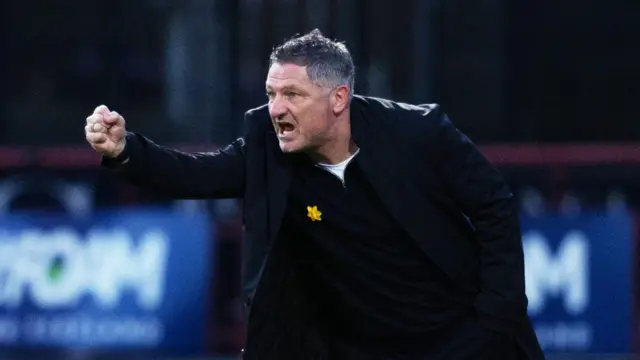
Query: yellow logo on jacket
{"points": [[313, 213]]}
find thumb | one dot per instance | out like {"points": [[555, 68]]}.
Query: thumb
{"points": [[102, 110], [113, 118]]}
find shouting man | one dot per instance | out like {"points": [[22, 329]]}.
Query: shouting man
{"points": [[373, 229]]}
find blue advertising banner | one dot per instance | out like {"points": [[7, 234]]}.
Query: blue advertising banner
{"points": [[116, 280], [579, 281]]}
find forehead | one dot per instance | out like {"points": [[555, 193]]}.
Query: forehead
{"points": [[282, 75]]}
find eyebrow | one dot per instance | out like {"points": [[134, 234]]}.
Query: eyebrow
{"points": [[284, 88]]}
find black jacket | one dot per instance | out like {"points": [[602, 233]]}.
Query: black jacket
{"points": [[434, 181]]}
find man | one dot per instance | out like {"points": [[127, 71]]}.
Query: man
{"points": [[374, 229]]}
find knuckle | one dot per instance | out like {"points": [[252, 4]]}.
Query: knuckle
{"points": [[94, 118]]}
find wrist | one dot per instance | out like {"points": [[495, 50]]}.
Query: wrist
{"points": [[121, 155]]}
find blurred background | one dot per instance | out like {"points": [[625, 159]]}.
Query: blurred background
{"points": [[91, 267]]}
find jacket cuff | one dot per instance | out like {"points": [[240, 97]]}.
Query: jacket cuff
{"points": [[498, 324], [120, 161], [501, 316]]}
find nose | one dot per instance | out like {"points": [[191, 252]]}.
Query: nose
{"points": [[277, 108]]}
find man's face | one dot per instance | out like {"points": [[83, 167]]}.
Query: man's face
{"points": [[300, 110]]}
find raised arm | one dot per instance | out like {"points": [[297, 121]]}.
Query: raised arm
{"points": [[176, 174]]}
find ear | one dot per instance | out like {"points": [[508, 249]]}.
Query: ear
{"points": [[340, 99]]}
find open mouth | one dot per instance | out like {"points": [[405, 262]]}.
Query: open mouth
{"points": [[284, 127]]}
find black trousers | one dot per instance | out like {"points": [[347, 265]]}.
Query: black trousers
{"points": [[465, 339]]}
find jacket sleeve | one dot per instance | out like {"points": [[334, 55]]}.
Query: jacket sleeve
{"points": [[486, 200], [175, 174]]}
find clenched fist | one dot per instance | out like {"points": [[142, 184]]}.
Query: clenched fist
{"points": [[105, 131]]}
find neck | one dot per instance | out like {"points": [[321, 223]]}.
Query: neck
{"points": [[339, 148]]}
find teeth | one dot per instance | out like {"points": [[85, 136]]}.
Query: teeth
{"points": [[284, 127]]}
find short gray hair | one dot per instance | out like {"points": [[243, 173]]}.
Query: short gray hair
{"points": [[328, 62]]}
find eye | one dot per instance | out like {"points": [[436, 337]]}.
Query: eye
{"points": [[271, 95], [290, 94]]}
